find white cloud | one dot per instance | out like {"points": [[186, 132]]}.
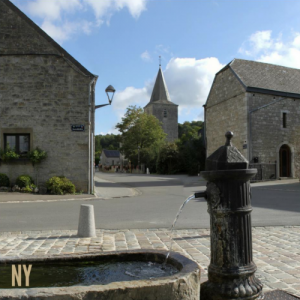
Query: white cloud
{"points": [[145, 56], [64, 31], [261, 46], [189, 80], [129, 96], [58, 15], [51, 10]]}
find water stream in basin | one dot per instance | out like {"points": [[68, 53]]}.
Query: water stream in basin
{"points": [[186, 201]]}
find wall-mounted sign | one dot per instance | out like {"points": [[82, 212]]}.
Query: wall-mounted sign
{"points": [[77, 127]]}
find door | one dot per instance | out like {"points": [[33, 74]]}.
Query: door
{"points": [[285, 161]]}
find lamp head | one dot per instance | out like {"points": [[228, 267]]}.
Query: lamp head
{"points": [[110, 91]]}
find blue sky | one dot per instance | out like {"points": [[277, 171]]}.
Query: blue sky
{"points": [[121, 40]]}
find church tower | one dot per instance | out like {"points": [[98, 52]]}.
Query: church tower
{"points": [[162, 108]]}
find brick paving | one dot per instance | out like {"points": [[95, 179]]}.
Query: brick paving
{"points": [[276, 250]]}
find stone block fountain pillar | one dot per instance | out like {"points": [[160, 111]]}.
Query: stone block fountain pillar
{"points": [[231, 270]]}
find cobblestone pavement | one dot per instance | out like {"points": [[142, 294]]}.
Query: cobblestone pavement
{"points": [[276, 250]]}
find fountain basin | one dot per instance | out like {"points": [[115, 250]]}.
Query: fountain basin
{"points": [[182, 285]]}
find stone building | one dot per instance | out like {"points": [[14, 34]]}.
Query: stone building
{"points": [[162, 108], [46, 100], [260, 103]]}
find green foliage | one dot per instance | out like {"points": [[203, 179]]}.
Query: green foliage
{"points": [[108, 141], [139, 129], [60, 186], [192, 156], [23, 181], [28, 189], [36, 156], [4, 180], [189, 130], [167, 161], [7, 155]]}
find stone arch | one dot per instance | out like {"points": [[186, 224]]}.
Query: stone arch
{"points": [[289, 160]]}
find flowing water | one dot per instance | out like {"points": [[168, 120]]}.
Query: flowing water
{"points": [[186, 201]]}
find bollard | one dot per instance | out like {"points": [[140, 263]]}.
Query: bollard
{"points": [[86, 225], [231, 270]]}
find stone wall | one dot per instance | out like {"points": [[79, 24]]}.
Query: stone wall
{"points": [[226, 110], [43, 95], [267, 132]]}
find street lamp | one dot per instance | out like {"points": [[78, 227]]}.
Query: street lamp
{"points": [[110, 91]]}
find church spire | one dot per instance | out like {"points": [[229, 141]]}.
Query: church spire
{"points": [[160, 91]]}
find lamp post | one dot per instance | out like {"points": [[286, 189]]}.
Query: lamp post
{"points": [[139, 156], [110, 91]]}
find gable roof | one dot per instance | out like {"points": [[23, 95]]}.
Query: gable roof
{"points": [[160, 91], [111, 153], [258, 77], [54, 44]]}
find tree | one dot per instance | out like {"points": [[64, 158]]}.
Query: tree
{"points": [[191, 148], [139, 129], [167, 161]]}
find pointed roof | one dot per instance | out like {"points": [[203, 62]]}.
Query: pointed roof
{"points": [[59, 50], [160, 91]]}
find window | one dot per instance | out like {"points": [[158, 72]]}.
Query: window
{"points": [[19, 142], [165, 113], [284, 119]]}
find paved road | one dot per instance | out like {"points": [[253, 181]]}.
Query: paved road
{"points": [[155, 206]]}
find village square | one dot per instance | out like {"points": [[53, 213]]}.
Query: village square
{"points": [[213, 200]]}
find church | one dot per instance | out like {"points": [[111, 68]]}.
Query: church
{"points": [[163, 108]]}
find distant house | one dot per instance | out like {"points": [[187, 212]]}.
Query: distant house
{"points": [[111, 158], [47, 100], [260, 103]]}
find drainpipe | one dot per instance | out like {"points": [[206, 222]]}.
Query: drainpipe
{"points": [[250, 123], [91, 136]]}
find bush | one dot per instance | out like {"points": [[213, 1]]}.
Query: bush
{"points": [[36, 156], [24, 181], [60, 186], [4, 180], [8, 154]]}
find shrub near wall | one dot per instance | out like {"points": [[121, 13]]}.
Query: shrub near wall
{"points": [[4, 180], [60, 186], [24, 181]]}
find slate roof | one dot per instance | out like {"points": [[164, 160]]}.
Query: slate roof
{"points": [[62, 51], [160, 91], [111, 153], [266, 78]]}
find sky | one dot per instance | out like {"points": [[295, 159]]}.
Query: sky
{"points": [[121, 41]]}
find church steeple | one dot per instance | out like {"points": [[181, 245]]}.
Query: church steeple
{"points": [[160, 91], [162, 108]]}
